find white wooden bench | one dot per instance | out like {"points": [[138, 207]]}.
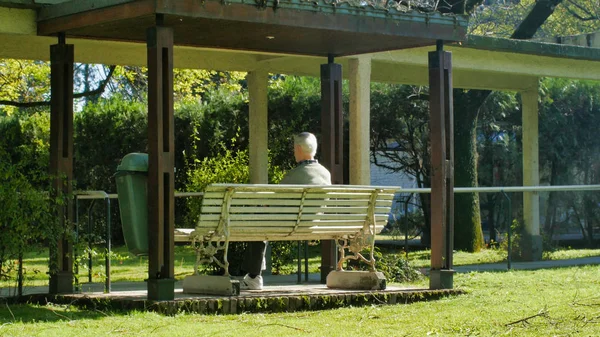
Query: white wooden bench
{"points": [[350, 215]]}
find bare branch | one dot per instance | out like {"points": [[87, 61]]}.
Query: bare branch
{"points": [[542, 313]]}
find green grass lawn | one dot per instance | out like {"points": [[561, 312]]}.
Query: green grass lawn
{"points": [[126, 267], [552, 302]]}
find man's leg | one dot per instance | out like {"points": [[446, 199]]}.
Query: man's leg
{"points": [[253, 264], [254, 259]]}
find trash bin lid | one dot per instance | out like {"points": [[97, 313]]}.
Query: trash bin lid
{"points": [[134, 162]]}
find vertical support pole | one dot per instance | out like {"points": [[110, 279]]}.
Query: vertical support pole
{"points": [[360, 115], [442, 168], [258, 142], [332, 144], [531, 175], [161, 155], [107, 281], [61, 162]]}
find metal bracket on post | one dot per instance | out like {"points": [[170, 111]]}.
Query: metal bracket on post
{"points": [[442, 167]]}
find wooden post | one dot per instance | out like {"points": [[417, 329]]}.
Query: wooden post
{"points": [[332, 145], [161, 160], [442, 168], [61, 162]]}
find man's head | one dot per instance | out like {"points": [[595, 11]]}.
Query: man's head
{"points": [[305, 146]]}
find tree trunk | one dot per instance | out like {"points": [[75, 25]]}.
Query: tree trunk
{"points": [[540, 12], [467, 220]]}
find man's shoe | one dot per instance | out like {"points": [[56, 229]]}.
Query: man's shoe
{"points": [[249, 283]]}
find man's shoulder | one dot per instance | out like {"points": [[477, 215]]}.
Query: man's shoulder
{"points": [[308, 174]]}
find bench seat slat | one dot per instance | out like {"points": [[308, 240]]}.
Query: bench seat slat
{"points": [[258, 231], [314, 229], [292, 210], [293, 217], [282, 224], [285, 237], [295, 203], [323, 234]]}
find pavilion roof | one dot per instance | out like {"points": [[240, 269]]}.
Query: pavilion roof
{"points": [[318, 27]]}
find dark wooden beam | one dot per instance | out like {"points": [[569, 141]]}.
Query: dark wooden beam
{"points": [[161, 161], [442, 168], [332, 145], [61, 163], [53, 19]]}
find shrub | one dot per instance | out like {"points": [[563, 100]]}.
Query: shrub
{"points": [[27, 217], [230, 167], [395, 267]]}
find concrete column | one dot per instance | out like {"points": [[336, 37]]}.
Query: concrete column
{"points": [[531, 175], [360, 114], [258, 141], [258, 152]]}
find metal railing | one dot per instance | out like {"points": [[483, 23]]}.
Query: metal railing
{"points": [[504, 190], [93, 196]]}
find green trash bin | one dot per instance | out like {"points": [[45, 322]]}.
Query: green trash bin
{"points": [[132, 181]]}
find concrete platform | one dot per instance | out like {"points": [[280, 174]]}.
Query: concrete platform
{"points": [[280, 294]]}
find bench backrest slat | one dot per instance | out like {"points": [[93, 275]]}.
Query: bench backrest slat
{"points": [[292, 212]]}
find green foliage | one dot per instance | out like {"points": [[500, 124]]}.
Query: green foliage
{"points": [[26, 218], [221, 118], [23, 81], [402, 225], [569, 115], [394, 266], [500, 18], [499, 162], [25, 140], [230, 167], [282, 255], [400, 136], [104, 133], [520, 240], [294, 107], [397, 268]]}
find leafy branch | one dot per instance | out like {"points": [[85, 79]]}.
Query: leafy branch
{"points": [[98, 91]]}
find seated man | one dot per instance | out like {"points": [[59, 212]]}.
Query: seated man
{"points": [[308, 172]]}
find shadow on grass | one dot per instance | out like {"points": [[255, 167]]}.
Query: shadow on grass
{"points": [[13, 310]]}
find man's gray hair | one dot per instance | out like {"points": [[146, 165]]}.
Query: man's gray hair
{"points": [[307, 142]]}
